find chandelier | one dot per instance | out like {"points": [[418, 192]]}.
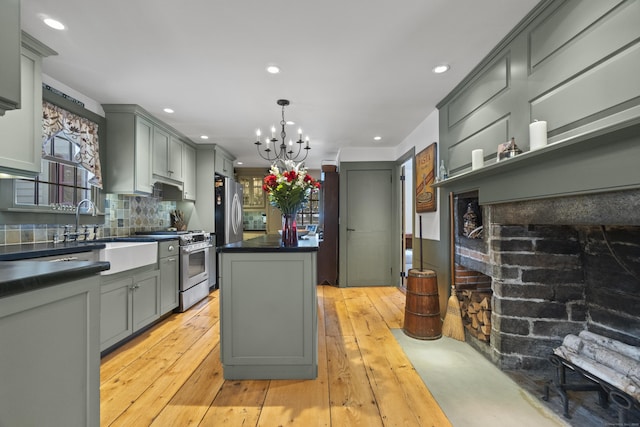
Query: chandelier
{"points": [[284, 151]]}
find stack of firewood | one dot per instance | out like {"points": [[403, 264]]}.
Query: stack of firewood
{"points": [[475, 305]]}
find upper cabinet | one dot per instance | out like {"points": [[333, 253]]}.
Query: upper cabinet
{"points": [[189, 172], [21, 129], [128, 152], [251, 179], [188, 189], [141, 150], [10, 54], [223, 163], [167, 155]]}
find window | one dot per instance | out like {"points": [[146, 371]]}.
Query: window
{"points": [[70, 162], [62, 182]]}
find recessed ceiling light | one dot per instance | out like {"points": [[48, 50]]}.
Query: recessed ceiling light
{"points": [[56, 25], [204, 137], [377, 138], [168, 110], [443, 68], [273, 69], [239, 163]]}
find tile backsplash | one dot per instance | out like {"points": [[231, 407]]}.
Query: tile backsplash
{"points": [[123, 216]]}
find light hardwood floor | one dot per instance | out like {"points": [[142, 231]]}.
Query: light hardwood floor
{"points": [[172, 375]]}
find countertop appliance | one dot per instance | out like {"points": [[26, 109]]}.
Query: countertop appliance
{"points": [[195, 265], [228, 210]]}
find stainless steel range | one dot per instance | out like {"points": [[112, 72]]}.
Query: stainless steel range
{"points": [[195, 263]]}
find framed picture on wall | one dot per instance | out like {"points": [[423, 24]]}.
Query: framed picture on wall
{"points": [[425, 177]]}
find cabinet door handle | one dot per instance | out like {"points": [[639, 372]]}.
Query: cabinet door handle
{"points": [[351, 229], [171, 259], [171, 248]]}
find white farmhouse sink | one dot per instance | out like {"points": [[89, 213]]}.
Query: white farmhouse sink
{"points": [[127, 255]]}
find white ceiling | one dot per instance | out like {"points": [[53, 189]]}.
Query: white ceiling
{"points": [[352, 69]]}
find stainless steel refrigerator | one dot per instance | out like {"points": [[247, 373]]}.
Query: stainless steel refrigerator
{"points": [[228, 211]]}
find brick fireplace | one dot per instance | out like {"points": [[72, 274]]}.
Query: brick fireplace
{"points": [[556, 266]]}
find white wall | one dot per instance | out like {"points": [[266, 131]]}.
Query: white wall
{"points": [[424, 135], [367, 154]]}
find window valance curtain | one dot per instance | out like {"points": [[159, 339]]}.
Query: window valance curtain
{"points": [[80, 131]]}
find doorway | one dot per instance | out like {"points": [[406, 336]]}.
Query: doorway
{"points": [[406, 173]]}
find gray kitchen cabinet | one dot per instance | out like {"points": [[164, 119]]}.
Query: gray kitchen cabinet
{"points": [[50, 356], [21, 129], [146, 299], [189, 172], [10, 54], [129, 301], [223, 163], [167, 155], [128, 152], [169, 270], [268, 314], [115, 307]]}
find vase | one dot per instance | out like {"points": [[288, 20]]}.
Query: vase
{"points": [[289, 230]]}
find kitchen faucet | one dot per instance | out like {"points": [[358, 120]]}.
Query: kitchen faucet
{"points": [[92, 207]]}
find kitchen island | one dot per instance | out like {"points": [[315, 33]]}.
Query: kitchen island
{"points": [[268, 309]]}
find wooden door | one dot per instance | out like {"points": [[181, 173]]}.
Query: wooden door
{"points": [[369, 227]]}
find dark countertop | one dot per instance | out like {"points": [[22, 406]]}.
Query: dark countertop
{"points": [[37, 250], [270, 243], [23, 276]]}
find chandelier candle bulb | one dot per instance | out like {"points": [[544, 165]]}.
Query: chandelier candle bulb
{"points": [[477, 159], [537, 135]]}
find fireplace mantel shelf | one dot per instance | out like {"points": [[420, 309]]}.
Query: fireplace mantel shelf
{"points": [[561, 145]]}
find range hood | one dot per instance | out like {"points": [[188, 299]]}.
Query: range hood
{"points": [[169, 192]]}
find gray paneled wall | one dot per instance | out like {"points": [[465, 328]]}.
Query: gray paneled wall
{"points": [[573, 64]]}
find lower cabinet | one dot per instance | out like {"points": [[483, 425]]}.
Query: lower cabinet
{"points": [[129, 301], [50, 360], [169, 270]]}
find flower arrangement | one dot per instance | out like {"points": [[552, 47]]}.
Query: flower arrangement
{"points": [[289, 186]]}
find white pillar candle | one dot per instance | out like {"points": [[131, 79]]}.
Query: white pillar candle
{"points": [[477, 159], [537, 135]]}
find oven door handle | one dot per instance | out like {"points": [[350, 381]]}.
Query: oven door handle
{"points": [[187, 250]]}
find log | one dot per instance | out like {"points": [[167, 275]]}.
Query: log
{"points": [[485, 329]]}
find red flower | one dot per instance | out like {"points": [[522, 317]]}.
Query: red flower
{"points": [[290, 175], [270, 181]]}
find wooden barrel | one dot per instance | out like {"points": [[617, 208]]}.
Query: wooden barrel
{"points": [[422, 307]]}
